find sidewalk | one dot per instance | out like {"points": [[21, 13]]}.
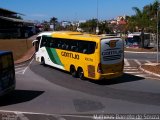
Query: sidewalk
{"points": [[152, 68], [140, 50]]}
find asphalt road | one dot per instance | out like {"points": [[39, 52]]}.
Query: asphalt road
{"points": [[55, 93]]}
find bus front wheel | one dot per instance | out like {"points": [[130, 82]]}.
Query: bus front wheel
{"points": [[73, 71], [81, 74], [43, 61]]}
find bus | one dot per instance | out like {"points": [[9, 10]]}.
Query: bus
{"points": [[134, 39], [83, 55], [7, 72]]}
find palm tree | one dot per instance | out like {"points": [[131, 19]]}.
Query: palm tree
{"points": [[54, 21], [138, 11]]}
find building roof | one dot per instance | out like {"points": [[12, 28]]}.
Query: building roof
{"points": [[15, 20], [8, 11], [122, 22]]}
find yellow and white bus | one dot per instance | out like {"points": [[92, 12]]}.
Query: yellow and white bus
{"points": [[83, 55]]}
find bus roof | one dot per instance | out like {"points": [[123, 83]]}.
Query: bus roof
{"points": [[4, 52], [77, 35], [45, 33], [136, 34]]}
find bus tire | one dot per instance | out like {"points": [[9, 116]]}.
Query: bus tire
{"points": [[43, 61], [81, 73], [73, 71]]}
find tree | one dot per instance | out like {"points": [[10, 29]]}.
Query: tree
{"points": [[90, 26], [145, 18], [54, 21], [45, 26]]}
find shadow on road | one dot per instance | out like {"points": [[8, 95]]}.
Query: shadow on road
{"points": [[125, 78], [19, 96]]}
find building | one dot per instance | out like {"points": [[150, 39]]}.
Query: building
{"points": [[13, 26], [65, 23], [120, 20]]}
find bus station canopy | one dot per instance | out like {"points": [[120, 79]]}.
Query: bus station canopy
{"points": [[15, 20]]}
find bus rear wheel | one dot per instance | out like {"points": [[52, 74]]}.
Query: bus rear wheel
{"points": [[81, 74], [73, 71]]}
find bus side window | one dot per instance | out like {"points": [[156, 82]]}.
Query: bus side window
{"points": [[86, 47], [91, 47], [59, 45], [52, 43], [74, 46], [83, 47]]}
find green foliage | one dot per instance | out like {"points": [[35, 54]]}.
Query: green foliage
{"points": [[90, 26], [54, 21], [146, 18]]}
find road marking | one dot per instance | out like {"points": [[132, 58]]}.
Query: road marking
{"points": [[28, 66], [133, 72], [129, 67], [19, 72], [20, 65], [135, 69], [137, 62], [148, 61], [58, 117], [126, 62], [142, 75], [54, 115], [20, 68], [21, 116]]}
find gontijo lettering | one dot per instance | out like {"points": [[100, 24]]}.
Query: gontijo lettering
{"points": [[112, 52], [70, 55]]}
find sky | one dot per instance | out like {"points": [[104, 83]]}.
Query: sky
{"points": [[73, 10]]}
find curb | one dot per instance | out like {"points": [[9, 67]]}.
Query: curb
{"points": [[140, 52], [146, 71]]}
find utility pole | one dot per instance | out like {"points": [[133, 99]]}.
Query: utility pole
{"points": [[97, 28], [158, 34]]}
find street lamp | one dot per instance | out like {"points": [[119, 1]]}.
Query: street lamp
{"points": [[158, 34]]}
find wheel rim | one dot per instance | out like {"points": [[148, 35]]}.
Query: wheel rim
{"points": [[81, 74], [73, 72]]}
